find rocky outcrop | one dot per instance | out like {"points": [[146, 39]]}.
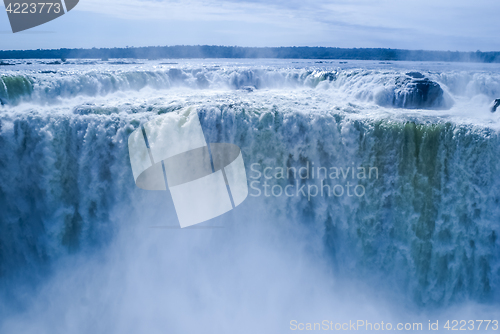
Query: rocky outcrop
{"points": [[414, 91], [495, 106], [248, 88], [415, 75]]}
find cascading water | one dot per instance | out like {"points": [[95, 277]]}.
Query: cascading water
{"points": [[425, 227]]}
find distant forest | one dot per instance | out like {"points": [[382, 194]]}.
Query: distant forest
{"points": [[174, 52]]}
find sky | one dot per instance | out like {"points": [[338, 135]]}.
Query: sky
{"points": [[456, 25]]}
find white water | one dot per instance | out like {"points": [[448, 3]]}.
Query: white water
{"points": [[78, 253]]}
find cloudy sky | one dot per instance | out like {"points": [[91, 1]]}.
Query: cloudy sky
{"points": [[462, 25]]}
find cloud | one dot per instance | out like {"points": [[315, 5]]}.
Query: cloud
{"points": [[366, 21], [413, 24]]}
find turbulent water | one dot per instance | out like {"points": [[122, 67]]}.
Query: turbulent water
{"points": [[83, 250]]}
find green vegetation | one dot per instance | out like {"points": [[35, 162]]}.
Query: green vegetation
{"points": [[206, 51]]}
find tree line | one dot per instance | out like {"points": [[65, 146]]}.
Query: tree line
{"points": [[206, 51]]}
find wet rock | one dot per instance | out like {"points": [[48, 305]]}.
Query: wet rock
{"points": [[248, 88], [330, 76], [414, 91], [415, 75], [496, 104]]}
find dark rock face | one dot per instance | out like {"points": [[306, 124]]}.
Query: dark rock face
{"points": [[330, 76], [414, 91], [415, 75], [496, 104], [248, 88]]}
